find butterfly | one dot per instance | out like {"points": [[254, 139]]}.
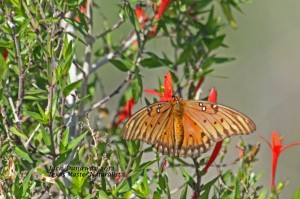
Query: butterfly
{"points": [[185, 128]]}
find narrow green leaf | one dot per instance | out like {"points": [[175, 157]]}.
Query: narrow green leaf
{"points": [[147, 164], [134, 21], [76, 141], [42, 113], [137, 87], [61, 186], [263, 195], [146, 188], [20, 151], [183, 192], [36, 116], [25, 183], [297, 194], [213, 43], [137, 162], [119, 64], [17, 132], [65, 137], [46, 136], [102, 195], [157, 195], [187, 177], [62, 157], [69, 88], [154, 61], [228, 13], [121, 158]]}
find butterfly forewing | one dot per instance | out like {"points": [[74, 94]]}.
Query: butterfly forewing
{"points": [[147, 123], [219, 121]]}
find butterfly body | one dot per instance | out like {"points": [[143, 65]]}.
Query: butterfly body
{"points": [[185, 128]]}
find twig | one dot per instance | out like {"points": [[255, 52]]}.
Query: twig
{"points": [[87, 61], [21, 77], [108, 57], [31, 136], [198, 174], [50, 100], [115, 26], [5, 121], [34, 25], [116, 91]]}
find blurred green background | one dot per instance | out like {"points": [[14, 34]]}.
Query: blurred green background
{"points": [[263, 82]]}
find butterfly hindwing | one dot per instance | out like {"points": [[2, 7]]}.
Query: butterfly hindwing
{"points": [[165, 142], [195, 140]]}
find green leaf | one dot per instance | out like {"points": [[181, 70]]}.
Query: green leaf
{"points": [[78, 26], [213, 43], [221, 60], [228, 14], [20, 151], [146, 188], [137, 162], [133, 147], [78, 176], [65, 137], [42, 113], [187, 177], [36, 116], [76, 141], [207, 188], [154, 61], [264, 193], [46, 136], [147, 164], [61, 186], [102, 195], [17, 132], [121, 158], [137, 87], [157, 195], [25, 183], [134, 20], [62, 157], [297, 194], [183, 192], [120, 65], [69, 88]]}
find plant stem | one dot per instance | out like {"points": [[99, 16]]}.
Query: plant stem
{"points": [[198, 174]]}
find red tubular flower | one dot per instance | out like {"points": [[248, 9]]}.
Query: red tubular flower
{"points": [[82, 10], [201, 80], [163, 165], [142, 17], [126, 112], [5, 54], [162, 8], [168, 91], [276, 148], [213, 98], [140, 14]]}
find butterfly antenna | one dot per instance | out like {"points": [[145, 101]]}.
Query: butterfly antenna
{"points": [[179, 88]]}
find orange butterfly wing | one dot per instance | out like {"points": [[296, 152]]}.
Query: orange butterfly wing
{"points": [[190, 131], [148, 123], [217, 121]]}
